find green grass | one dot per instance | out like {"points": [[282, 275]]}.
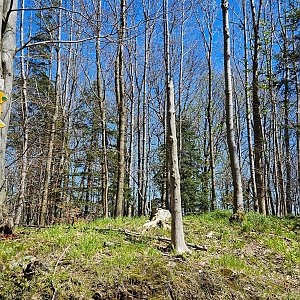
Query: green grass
{"points": [[258, 258]]}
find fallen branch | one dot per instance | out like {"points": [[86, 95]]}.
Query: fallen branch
{"points": [[36, 226], [138, 235], [55, 268]]}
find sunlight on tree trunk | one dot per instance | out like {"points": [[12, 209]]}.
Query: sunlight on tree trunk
{"points": [[234, 161], [177, 234], [7, 52]]}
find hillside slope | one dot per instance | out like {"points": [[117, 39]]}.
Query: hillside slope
{"points": [[259, 259]]}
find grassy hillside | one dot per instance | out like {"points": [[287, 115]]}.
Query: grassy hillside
{"points": [[259, 259]]}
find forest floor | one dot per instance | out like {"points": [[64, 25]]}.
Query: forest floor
{"points": [[258, 259]]}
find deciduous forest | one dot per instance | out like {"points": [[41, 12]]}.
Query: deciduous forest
{"points": [[116, 109]]}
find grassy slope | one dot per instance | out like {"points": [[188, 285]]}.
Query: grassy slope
{"points": [[259, 259]]}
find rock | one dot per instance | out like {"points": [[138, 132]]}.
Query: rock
{"points": [[109, 244], [159, 219], [163, 215], [210, 234]]}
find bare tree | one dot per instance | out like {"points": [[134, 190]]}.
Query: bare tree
{"points": [[177, 234], [53, 126], [248, 108], [102, 106], [286, 105], [24, 104], [209, 11], [120, 96], [258, 131], [234, 161]]}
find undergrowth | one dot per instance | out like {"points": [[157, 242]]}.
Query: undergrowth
{"points": [[258, 258]]}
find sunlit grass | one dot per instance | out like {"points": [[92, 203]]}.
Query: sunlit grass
{"points": [[81, 258]]}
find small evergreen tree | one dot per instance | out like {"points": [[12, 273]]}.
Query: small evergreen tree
{"points": [[194, 174]]}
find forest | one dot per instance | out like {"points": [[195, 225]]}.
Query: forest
{"points": [[186, 111], [86, 89]]}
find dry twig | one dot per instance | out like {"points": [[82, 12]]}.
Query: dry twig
{"points": [[138, 235], [55, 268]]}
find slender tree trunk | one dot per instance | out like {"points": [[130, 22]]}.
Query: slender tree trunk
{"points": [[210, 129], [48, 173], [131, 142], [24, 103], [258, 133], [297, 88], [278, 163], [275, 171], [177, 234], [271, 206], [139, 155], [132, 70], [180, 84], [286, 105], [102, 106], [234, 161], [120, 95], [208, 26], [286, 131], [145, 96], [248, 111], [167, 81], [68, 95], [87, 200], [277, 175], [205, 186]]}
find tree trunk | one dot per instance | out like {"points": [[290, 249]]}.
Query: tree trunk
{"points": [[48, 173], [297, 88], [210, 129], [166, 203], [132, 70], [209, 19], [177, 234], [120, 95], [286, 105], [102, 106], [7, 52], [248, 111], [234, 161], [258, 133], [145, 96], [180, 83], [24, 103]]}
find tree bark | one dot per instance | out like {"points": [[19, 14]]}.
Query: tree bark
{"points": [[24, 104], [258, 132], [7, 53], [234, 161], [248, 111], [44, 202], [102, 106], [209, 19], [120, 95], [166, 203], [286, 105], [177, 234]]}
